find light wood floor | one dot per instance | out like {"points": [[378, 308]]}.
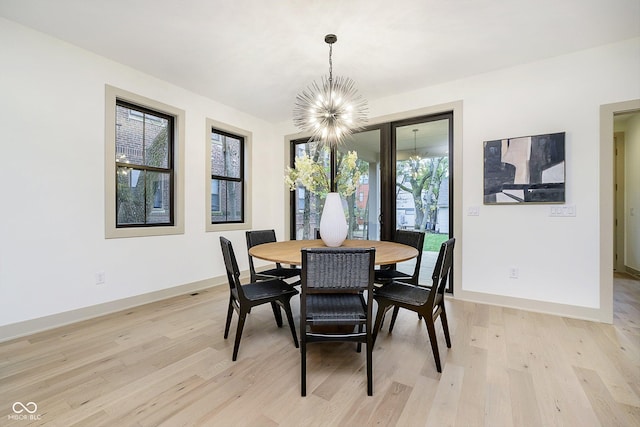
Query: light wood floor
{"points": [[166, 363]]}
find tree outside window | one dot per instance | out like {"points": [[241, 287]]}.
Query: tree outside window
{"points": [[421, 178]]}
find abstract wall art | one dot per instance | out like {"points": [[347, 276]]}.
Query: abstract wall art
{"points": [[528, 169]]}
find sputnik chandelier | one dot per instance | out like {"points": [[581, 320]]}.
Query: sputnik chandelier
{"points": [[331, 112]]}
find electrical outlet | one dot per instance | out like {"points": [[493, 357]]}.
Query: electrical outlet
{"points": [[100, 278], [513, 272], [473, 211]]}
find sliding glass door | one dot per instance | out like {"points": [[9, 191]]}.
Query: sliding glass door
{"points": [[423, 187], [390, 176]]}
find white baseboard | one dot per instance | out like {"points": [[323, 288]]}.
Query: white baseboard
{"points": [[632, 271], [563, 310], [32, 326]]}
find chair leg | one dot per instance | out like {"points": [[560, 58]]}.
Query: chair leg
{"points": [[236, 345], [303, 365], [445, 326], [396, 309], [379, 318], [229, 314], [359, 345], [369, 365], [434, 342], [287, 310], [277, 314]]}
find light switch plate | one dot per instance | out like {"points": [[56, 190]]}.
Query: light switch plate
{"points": [[562, 210]]}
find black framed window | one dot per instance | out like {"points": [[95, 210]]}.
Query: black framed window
{"points": [[144, 152], [227, 177]]}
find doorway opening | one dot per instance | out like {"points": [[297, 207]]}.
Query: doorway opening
{"points": [[606, 203], [626, 140]]}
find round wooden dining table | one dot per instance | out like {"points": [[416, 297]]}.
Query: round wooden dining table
{"points": [[288, 251]]}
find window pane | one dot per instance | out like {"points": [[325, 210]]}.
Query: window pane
{"points": [[156, 130], [129, 130], [215, 197], [129, 196], [158, 200], [352, 183], [226, 156], [217, 157], [141, 138], [232, 158], [422, 171], [227, 201], [309, 204]]}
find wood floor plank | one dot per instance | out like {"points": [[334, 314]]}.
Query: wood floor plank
{"points": [[444, 406], [418, 406], [471, 408], [497, 397], [524, 402], [392, 405]]}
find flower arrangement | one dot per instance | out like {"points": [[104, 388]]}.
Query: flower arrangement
{"points": [[313, 176]]}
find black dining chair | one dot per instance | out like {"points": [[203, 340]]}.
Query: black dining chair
{"points": [[333, 303], [428, 302], [388, 273], [258, 237], [242, 298]]}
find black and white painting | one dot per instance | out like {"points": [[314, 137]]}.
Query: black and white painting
{"points": [[528, 169]]}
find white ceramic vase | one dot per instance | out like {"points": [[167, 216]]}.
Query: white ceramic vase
{"points": [[333, 224]]}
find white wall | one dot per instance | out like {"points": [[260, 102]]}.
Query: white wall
{"points": [[632, 193], [52, 176]]}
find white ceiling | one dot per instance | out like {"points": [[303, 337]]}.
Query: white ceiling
{"points": [[256, 55]]}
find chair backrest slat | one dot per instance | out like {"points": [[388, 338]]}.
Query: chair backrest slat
{"points": [[255, 238], [337, 269], [258, 237], [441, 271], [231, 266], [414, 239]]}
